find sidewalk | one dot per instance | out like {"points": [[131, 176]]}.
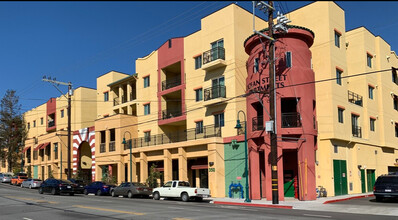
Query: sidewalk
{"points": [[320, 204]]}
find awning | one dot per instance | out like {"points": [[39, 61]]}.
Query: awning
{"points": [[44, 145], [38, 147], [199, 167], [25, 149]]}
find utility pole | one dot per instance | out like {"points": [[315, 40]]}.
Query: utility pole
{"points": [[69, 84], [272, 105]]}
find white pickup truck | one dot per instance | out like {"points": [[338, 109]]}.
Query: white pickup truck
{"points": [[180, 189]]}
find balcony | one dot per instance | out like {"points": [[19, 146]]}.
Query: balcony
{"points": [[51, 124], [124, 98], [356, 131], [258, 123], [214, 58], [133, 96], [116, 101], [354, 98], [111, 146], [214, 95], [291, 120], [170, 83], [166, 114], [174, 137]]}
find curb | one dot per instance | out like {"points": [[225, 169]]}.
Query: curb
{"points": [[254, 205], [355, 197]]}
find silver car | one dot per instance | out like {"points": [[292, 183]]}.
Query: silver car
{"points": [[5, 178], [31, 183], [129, 189]]}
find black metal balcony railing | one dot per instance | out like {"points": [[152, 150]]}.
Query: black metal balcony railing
{"points": [[51, 124], [116, 101], [102, 147], [213, 54], [111, 146], [354, 98], [124, 99], [132, 96], [356, 131], [258, 123], [291, 120], [127, 145], [214, 92], [166, 114], [170, 83], [186, 135]]}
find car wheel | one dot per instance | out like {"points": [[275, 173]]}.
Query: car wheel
{"points": [[71, 194], [184, 197], [113, 193], [30, 186], [379, 198], [130, 194], [53, 191], [156, 196], [85, 192], [40, 190], [98, 192]]}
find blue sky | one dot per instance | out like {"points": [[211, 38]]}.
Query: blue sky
{"points": [[79, 41]]}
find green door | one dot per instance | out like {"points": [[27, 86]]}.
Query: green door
{"points": [[35, 172], [370, 174], [363, 181], [340, 177], [288, 183]]}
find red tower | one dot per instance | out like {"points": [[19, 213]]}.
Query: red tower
{"points": [[295, 115]]}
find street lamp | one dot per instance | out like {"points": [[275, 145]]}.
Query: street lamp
{"points": [[131, 155], [239, 126]]}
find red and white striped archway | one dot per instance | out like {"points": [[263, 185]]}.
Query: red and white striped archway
{"points": [[88, 135]]}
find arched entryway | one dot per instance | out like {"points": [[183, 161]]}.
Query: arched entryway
{"points": [[84, 153], [84, 162]]}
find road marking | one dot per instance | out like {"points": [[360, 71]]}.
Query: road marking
{"points": [[27, 219], [321, 216], [30, 199], [181, 219], [109, 210]]}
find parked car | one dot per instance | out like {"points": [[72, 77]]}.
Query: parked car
{"points": [[79, 185], [5, 178], [17, 180], [386, 186], [99, 188], [180, 189], [131, 189], [57, 186], [31, 183]]}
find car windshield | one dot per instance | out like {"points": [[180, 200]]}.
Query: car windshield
{"points": [[388, 180], [66, 182], [36, 179]]}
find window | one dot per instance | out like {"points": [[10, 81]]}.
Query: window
{"points": [[34, 123], [147, 136], [199, 94], [146, 81], [394, 76], [147, 109], [106, 96], [55, 151], [372, 124], [255, 70], [28, 125], [198, 62], [288, 59], [337, 39], [169, 43], [219, 120], [371, 88], [369, 60], [340, 115], [356, 130], [62, 113], [41, 121], [396, 129], [395, 99], [338, 76], [218, 43], [336, 149], [199, 127]]}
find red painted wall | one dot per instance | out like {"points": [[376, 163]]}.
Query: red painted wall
{"points": [[297, 41], [51, 106], [168, 56]]}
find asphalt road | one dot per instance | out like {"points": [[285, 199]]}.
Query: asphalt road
{"points": [[27, 204], [393, 203]]}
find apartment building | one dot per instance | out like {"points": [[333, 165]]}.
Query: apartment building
{"points": [[357, 107], [45, 151]]}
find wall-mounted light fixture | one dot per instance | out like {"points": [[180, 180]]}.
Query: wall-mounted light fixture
{"points": [[211, 164], [359, 166]]}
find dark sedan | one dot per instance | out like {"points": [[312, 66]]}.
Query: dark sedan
{"points": [[57, 186], [131, 189], [386, 186], [79, 185], [99, 188]]}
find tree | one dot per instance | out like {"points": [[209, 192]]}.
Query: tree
{"points": [[108, 178], [12, 130], [153, 177]]}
